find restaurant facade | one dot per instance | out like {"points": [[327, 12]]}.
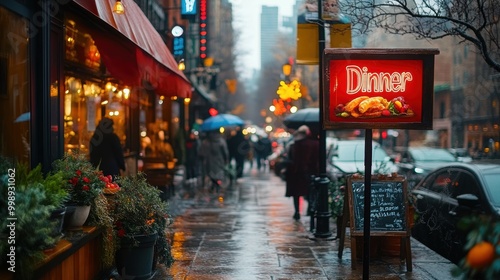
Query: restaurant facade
{"points": [[67, 64]]}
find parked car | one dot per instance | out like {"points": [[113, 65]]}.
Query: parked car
{"points": [[416, 162], [446, 195], [348, 157], [461, 154]]}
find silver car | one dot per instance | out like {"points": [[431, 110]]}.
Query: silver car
{"points": [[348, 157]]}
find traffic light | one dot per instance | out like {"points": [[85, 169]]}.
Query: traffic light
{"points": [[384, 134], [212, 112]]}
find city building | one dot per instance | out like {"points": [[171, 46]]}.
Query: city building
{"points": [[268, 33], [66, 66]]}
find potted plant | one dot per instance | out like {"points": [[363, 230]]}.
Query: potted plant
{"points": [[140, 220], [32, 226], [53, 186], [86, 186], [84, 183]]}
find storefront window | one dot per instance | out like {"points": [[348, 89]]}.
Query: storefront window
{"points": [[85, 104], [14, 87], [156, 139], [89, 96]]}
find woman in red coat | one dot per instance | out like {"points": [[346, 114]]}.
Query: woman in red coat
{"points": [[303, 155]]}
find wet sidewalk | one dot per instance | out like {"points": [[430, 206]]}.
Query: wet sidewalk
{"points": [[247, 232]]}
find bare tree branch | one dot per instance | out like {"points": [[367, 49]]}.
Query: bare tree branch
{"points": [[474, 21]]}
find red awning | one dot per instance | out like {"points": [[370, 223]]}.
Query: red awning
{"points": [[143, 57]]}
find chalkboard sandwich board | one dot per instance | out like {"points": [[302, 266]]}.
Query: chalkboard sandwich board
{"points": [[389, 211], [389, 205]]}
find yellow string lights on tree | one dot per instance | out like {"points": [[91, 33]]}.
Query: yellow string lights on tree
{"points": [[289, 91]]}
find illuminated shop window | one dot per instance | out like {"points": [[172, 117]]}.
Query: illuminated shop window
{"points": [[15, 110]]}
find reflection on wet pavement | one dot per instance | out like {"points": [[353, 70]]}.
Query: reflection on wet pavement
{"points": [[246, 231]]}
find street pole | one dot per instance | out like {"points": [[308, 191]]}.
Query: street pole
{"points": [[322, 182]]}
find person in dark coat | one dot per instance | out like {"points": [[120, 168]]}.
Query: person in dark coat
{"points": [[238, 147], [263, 149], [192, 167], [214, 155], [303, 163], [105, 149]]}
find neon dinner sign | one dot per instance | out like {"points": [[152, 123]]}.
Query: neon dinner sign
{"points": [[360, 80], [378, 88]]}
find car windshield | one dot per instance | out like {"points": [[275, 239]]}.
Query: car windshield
{"points": [[356, 152], [432, 155], [491, 182]]}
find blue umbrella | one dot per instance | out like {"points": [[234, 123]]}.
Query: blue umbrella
{"points": [[23, 117], [222, 120]]}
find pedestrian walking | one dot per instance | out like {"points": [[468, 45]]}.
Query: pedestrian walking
{"points": [[192, 166], [106, 151], [214, 155], [303, 162], [239, 148], [263, 148]]}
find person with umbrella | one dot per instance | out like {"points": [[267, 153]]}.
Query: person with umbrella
{"points": [[214, 156]]}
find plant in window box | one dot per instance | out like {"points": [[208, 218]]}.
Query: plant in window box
{"points": [[85, 184], [30, 198], [53, 186], [140, 220], [83, 181]]}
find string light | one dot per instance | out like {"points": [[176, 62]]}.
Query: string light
{"points": [[119, 8]]}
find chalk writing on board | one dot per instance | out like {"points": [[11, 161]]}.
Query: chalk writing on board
{"points": [[387, 206]]}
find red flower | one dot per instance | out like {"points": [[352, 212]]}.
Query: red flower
{"points": [[86, 180], [73, 181], [79, 172], [85, 188], [121, 233]]}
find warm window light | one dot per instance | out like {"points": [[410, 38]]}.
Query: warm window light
{"points": [[208, 62], [187, 100], [108, 86], [126, 93], [119, 8], [287, 69], [181, 65]]}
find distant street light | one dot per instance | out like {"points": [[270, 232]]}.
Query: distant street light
{"points": [[287, 69]]}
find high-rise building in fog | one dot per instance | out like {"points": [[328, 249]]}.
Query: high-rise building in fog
{"points": [[268, 33]]}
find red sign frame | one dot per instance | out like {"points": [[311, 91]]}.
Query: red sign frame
{"points": [[378, 88]]}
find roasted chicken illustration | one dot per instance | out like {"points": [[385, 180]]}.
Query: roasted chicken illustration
{"points": [[373, 107]]}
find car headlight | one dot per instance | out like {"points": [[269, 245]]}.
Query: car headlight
{"points": [[419, 170]]}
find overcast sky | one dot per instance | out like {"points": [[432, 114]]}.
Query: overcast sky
{"points": [[246, 21]]}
